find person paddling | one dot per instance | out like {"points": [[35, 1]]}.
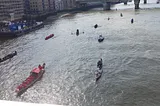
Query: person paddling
{"points": [[99, 64], [121, 15], [41, 67], [77, 32], [95, 26], [132, 21]]}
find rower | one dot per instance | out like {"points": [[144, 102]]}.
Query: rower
{"points": [[77, 32], [121, 15], [41, 67], [15, 52], [95, 26], [99, 64], [132, 21], [100, 36]]}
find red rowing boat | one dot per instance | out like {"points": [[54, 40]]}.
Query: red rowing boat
{"points": [[50, 36], [35, 75]]}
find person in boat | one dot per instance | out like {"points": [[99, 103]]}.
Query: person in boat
{"points": [[101, 38], [99, 64], [77, 32], [40, 67], [121, 15], [132, 21], [95, 26]]}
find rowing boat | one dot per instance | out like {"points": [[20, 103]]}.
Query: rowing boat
{"points": [[35, 75], [9, 56], [98, 75]]}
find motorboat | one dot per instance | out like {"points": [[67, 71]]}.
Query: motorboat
{"points": [[35, 75]]}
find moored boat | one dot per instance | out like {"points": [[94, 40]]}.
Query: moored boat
{"points": [[16, 33], [100, 39], [50, 36], [35, 75]]}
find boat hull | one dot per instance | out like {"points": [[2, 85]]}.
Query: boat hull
{"points": [[99, 76], [7, 57], [100, 40], [21, 91]]}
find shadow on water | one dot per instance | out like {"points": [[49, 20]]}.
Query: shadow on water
{"points": [[3, 39]]}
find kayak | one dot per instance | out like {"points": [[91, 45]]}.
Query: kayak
{"points": [[50, 36], [35, 75]]}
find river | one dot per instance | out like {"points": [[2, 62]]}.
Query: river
{"points": [[130, 53]]}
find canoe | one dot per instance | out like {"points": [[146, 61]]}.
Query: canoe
{"points": [[50, 36], [33, 78]]}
